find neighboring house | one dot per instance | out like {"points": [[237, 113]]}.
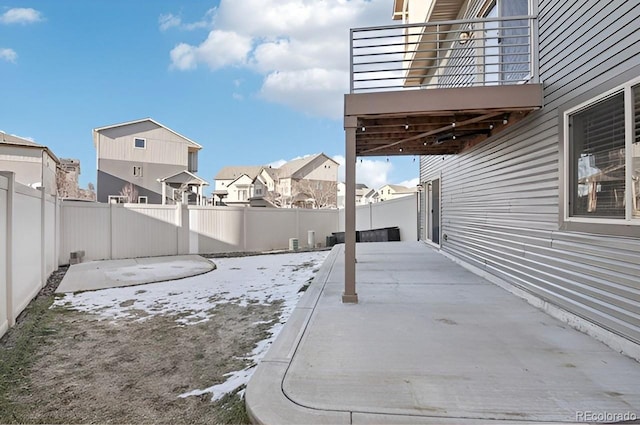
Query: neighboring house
{"points": [[361, 194], [309, 182], [265, 181], [33, 164], [144, 161], [234, 184], [393, 191], [533, 185], [370, 197]]}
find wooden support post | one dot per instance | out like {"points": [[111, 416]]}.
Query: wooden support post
{"points": [[350, 295]]}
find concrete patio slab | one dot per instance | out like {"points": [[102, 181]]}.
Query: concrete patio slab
{"points": [[95, 275], [430, 342]]}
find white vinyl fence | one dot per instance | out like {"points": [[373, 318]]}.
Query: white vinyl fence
{"points": [[116, 231], [401, 212], [38, 233], [29, 237]]}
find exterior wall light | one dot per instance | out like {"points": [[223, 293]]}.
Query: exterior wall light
{"points": [[465, 35]]}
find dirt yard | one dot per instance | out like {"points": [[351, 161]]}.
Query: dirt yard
{"points": [[61, 365]]}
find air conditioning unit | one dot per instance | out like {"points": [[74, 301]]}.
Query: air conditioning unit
{"points": [[293, 244]]}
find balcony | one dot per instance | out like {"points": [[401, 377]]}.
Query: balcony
{"points": [[440, 87]]}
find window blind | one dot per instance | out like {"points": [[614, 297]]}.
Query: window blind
{"points": [[598, 159], [635, 174]]}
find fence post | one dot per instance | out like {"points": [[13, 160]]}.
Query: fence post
{"points": [[43, 251], [57, 218], [11, 179], [244, 229], [111, 207], [194, 242], [178, 223], [183, 228]]}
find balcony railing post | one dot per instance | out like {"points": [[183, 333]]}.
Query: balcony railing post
{"points": [[533, 46], [438, 47], [351, 60]]}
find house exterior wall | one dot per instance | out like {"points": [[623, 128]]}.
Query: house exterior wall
{"points": [[162, 145], [260, 188], [32, 166], [113, 175], [502, 201], [265, 182], [165, 153], [240, 186], [385, 193], [49, 170], [222, 184], [325, 170], [25, 162], [284, 187]]}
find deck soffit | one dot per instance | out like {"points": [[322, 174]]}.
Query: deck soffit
{"points": [[435, 121]]}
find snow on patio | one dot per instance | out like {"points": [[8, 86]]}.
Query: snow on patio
{"points": [[262, 279]]}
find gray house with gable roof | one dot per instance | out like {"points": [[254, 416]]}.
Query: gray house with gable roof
{"points": [[159, 164]]}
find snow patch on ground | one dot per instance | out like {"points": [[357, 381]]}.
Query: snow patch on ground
{"points": [[164, 271], [260, 279]]}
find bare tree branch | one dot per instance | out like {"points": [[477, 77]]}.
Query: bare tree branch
{"points": [[322, 193]]}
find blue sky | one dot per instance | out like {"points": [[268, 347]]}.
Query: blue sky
{"points": [[253, 81]]}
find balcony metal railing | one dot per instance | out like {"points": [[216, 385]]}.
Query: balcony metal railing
{"points": [[460, 53]]}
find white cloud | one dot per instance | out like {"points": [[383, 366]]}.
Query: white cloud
{"points": [[237, 96], [8, 55], [169, 21], [220, 49], [372, 172], [300, 47], [20, 15], [277, 164], [314, 91], [410, 183]]}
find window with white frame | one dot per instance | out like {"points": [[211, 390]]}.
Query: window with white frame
{"points": [[140, 143], [116, 199], [602, 142], [143, 200]]}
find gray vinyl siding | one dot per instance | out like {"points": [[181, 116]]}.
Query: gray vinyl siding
{"points": [[112, 185], [113, 175], [501, 201]]}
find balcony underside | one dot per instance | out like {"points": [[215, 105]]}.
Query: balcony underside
{"points": [[435, 121]]}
